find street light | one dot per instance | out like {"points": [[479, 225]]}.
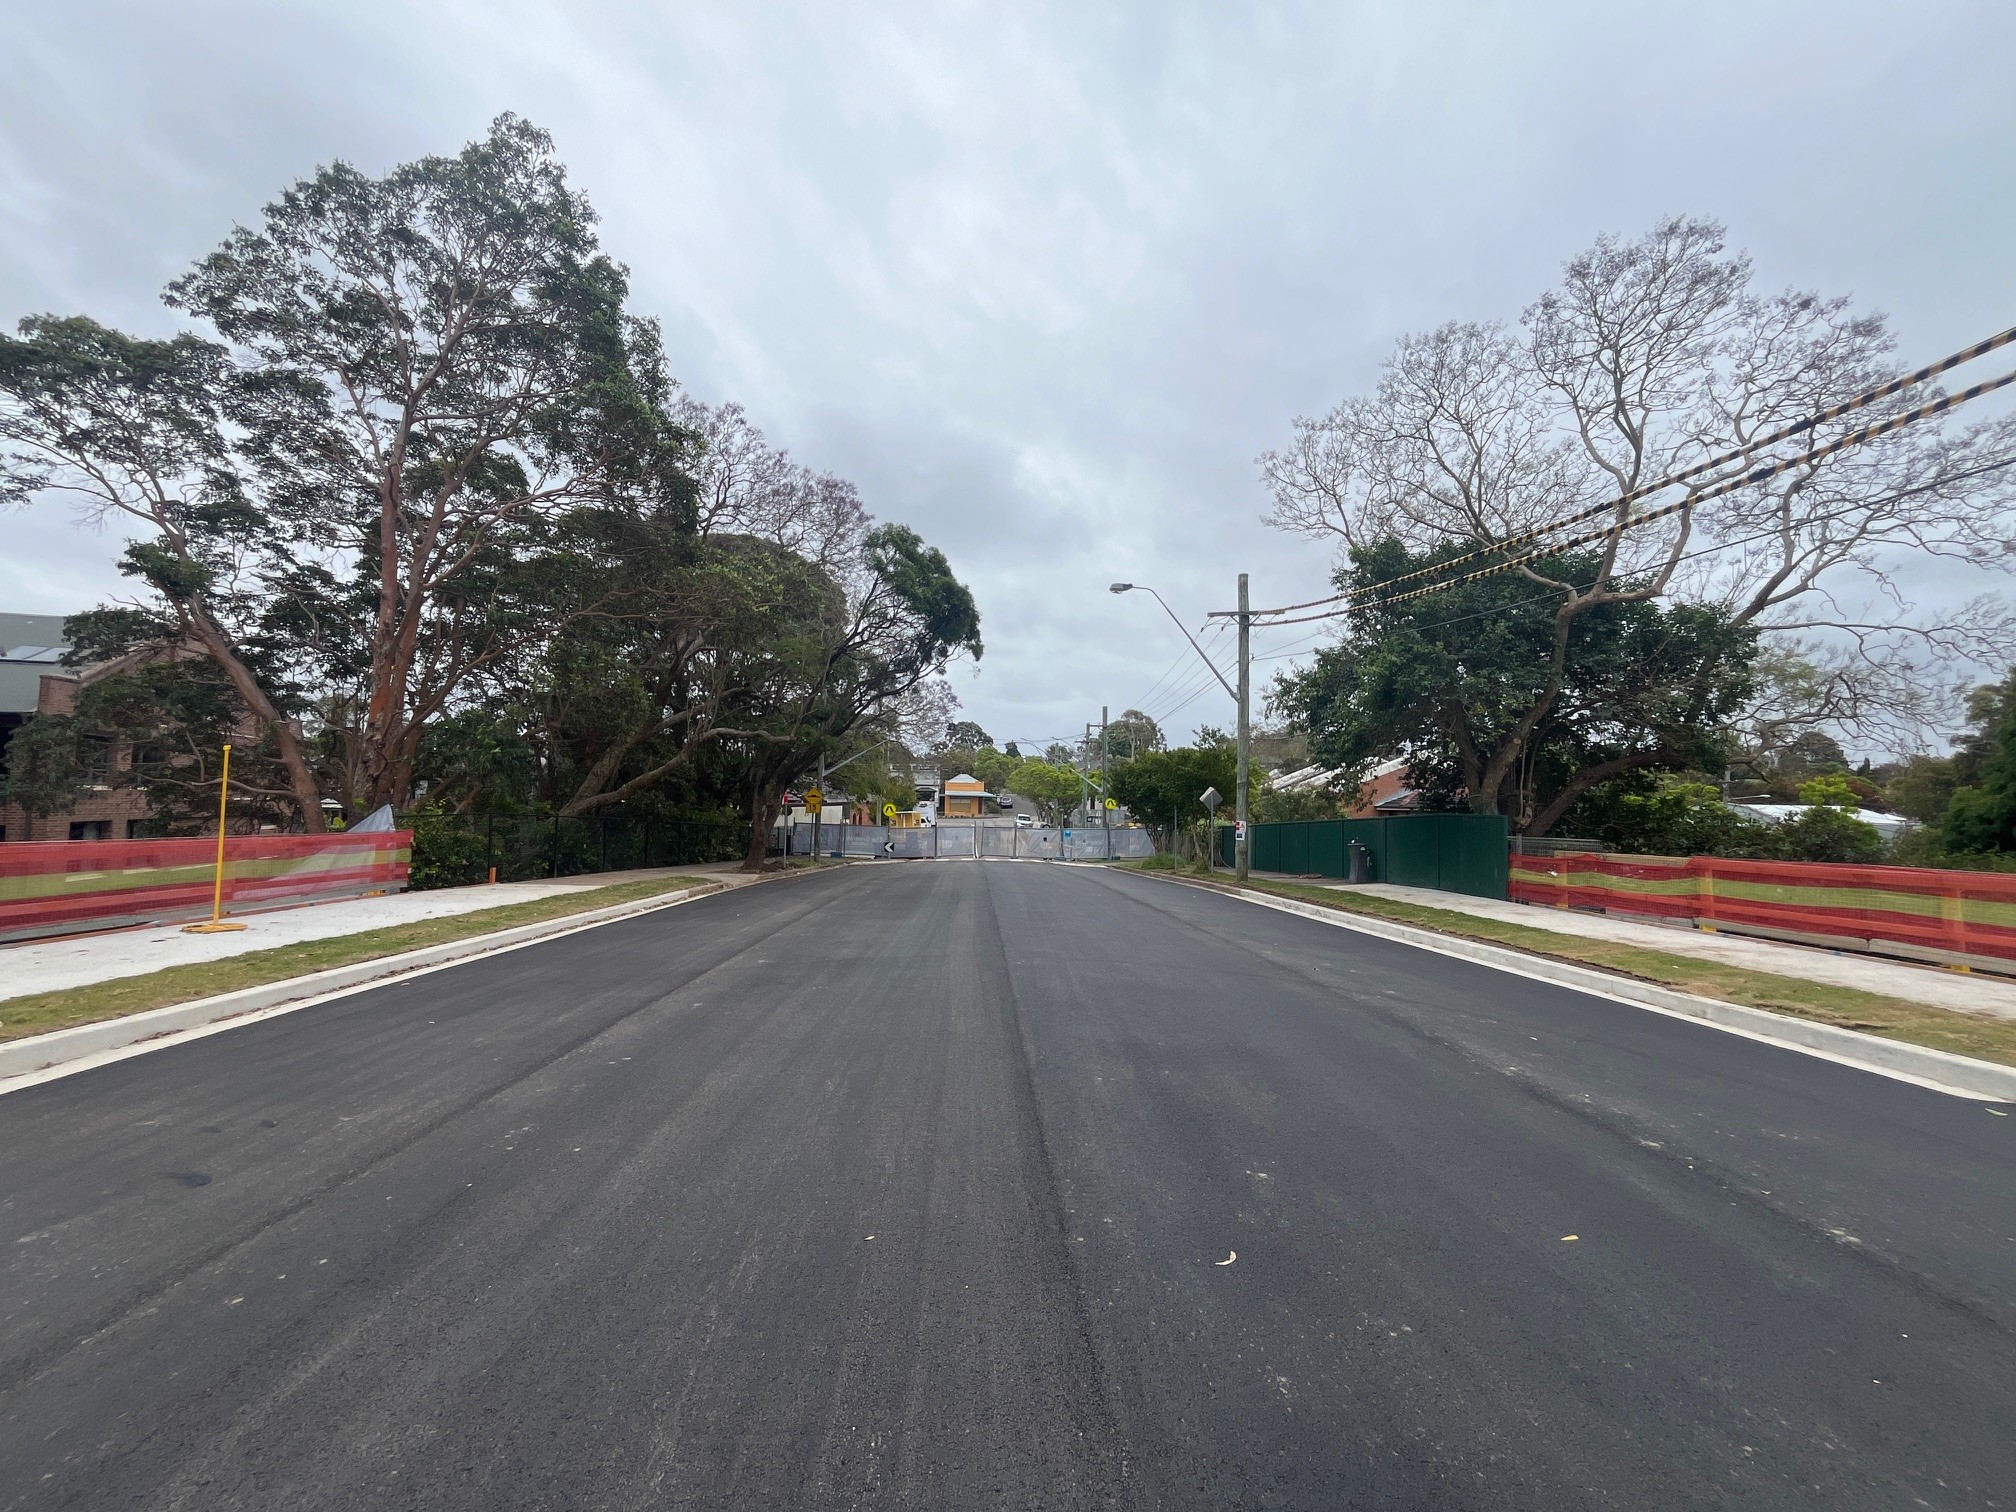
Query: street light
{"points": [[1144, 588], [1241, 696]]}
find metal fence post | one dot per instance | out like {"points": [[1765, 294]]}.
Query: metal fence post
{"points": [[553, 867], [490, 845]]}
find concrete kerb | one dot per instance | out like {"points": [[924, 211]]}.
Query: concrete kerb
{"points": [[1940, 1070], [41, 1057]]}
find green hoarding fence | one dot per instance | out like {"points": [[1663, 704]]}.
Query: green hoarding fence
{"points": [[1463, 853]]}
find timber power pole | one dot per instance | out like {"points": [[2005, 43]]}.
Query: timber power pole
{"points": [[1245, 832], [1242, 696], [1105, 815]]}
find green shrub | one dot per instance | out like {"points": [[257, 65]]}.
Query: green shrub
{"points": [[447, 850], [1681, 818], [1826, 833], [1830, 788]]}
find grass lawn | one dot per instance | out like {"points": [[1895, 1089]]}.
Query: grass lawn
{"points": [[42, 1011], [1979, 1035]]}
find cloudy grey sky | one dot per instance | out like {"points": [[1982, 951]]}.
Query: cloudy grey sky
{"points": [[1043, 279]]}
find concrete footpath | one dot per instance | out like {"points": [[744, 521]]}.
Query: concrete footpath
{"points": [[1937, 988], [80, 960]]}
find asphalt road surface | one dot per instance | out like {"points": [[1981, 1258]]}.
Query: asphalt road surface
{"points": [[914, 1186]]}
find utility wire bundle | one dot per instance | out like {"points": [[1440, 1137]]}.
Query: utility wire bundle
{"points": [[1381, 594]]}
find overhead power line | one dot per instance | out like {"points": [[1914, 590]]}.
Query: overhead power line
{"points": [[1699, 469], [1376, 598], [1546, 594]]}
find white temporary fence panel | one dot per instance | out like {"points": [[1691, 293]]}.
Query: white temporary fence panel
{"points": [[964, 841]]}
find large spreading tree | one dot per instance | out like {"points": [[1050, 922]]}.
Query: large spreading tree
{"points": [[418, 516], [1650, 355]]}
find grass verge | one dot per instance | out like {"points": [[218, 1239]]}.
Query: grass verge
{"points": [[1979, 1035], [40, 1012]]}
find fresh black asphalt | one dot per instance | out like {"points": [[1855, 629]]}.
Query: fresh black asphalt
{"points": [[912, 1185]]}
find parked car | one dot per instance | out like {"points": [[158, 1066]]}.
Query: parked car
{"points": [[1025, 821], [1006, 800]]}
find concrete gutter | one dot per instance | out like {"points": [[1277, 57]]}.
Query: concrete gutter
{"points": [[43, 1057], [1941, 1070]]}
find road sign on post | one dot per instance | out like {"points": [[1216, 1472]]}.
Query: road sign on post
{"points": [[816, 802], [888, 811], [1112, 804]]}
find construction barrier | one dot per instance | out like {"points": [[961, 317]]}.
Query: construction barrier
{"points": [[66, 887], [1951, 917], [1461, 853], [951, 840]]}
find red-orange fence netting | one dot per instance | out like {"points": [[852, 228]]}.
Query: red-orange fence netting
{"points": [[62, 887], [1913, 911]]}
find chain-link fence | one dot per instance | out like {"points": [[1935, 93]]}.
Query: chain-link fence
{"points": [[458, 852]]}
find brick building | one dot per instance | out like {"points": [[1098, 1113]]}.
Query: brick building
{"points": [[34, 682]]}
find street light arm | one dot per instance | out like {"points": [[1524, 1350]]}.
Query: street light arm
{"points": [[855, 757], [1230, 691]]}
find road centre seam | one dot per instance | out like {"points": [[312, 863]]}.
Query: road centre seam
{"points": [[1920, 1065], [39, 1058]]}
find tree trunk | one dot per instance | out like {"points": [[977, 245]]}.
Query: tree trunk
{"points": [[1581, 782], [762, 814], [286, 734]]}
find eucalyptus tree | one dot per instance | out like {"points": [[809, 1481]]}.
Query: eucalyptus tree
{"points": [[425, 369], [1132, 734], [344, 500]]}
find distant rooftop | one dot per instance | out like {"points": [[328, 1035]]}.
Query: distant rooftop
{"points": [[25, 631], [30, 644]]}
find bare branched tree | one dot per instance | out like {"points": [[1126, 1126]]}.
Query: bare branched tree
{"points": [[1650, 356], [747, 487]]}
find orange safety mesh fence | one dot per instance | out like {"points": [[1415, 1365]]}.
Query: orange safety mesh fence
{"points": [[1915, 911], [64, 887]]}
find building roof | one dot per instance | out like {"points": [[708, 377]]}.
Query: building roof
{"points": [[964, 784], [30, 645], [29, 631], [1889, 826]]}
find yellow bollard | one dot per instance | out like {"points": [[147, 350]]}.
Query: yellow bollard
{"points": [[217, 923]]}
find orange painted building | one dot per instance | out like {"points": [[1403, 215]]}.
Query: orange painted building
{"points": [[965, 796]]}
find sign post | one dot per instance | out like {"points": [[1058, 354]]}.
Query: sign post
{"points": [[216, 924], [815, 800], [1211, 798]]}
